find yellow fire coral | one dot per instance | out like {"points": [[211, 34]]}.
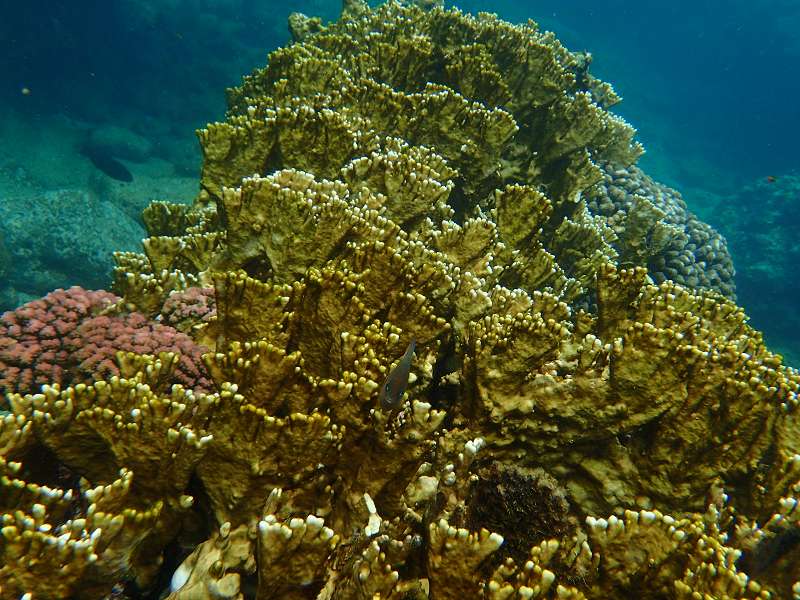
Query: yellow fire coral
{"points": [[570, 429]]}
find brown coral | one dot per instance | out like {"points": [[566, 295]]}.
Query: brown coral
{"points": [[409, 174]]}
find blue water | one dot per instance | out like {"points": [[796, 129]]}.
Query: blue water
{"points": [[711, 86], [708, 83]]}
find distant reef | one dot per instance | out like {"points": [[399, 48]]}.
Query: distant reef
{"points": [[761, 223], [587, 412]]}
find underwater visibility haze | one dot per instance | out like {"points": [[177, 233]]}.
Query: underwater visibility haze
{"points": [[404, 300]]}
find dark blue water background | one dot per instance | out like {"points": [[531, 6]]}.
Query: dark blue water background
{"points": [[712, 87]]}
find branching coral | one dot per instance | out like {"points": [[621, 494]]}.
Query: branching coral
{"points": [[571, 428]]}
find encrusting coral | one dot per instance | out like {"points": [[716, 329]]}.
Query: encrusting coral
{"points": [[571, 428]]}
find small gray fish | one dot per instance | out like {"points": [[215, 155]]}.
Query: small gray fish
{"points": [[396, 382]]}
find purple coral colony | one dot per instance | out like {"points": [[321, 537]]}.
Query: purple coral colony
{"points": [[586, 413]]}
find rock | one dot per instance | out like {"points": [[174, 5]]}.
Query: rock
{"points": [[61, 238], [120, 143]]}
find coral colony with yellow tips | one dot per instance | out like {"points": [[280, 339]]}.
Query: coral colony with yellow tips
{"points": [[587, 412]]}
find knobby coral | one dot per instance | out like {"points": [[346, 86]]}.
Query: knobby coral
{"points": [[571, 429], [656, 230], [72, 336]]}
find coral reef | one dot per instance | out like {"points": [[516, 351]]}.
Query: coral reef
{"points": [[656, 230], [189, 309], [571, 428], [73, 336], [760, 222]]}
